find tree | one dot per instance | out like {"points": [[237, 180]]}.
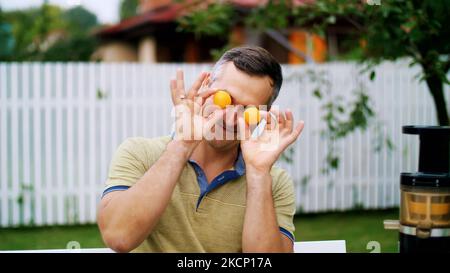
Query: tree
{"points": [[48, 33], [79, 43], [390, 29], [128, 8], [30, 28], [79, 19], [74, 48]]}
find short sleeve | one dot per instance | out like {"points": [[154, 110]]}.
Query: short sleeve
{"points": [[129, 163], [284, 202]]}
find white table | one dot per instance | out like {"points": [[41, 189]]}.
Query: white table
{"points": [[337, 246]]}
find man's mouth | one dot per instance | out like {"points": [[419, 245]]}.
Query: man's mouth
{"points": [[229, 128]]}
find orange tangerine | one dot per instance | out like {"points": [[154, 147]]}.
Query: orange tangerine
{"points": [[222, 99], [251, 115]]}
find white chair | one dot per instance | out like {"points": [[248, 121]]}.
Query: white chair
{"points": [[337, 246]]}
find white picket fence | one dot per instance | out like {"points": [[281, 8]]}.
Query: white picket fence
{"points": [[60, 124]]}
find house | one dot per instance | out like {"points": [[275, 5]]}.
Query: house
{"points": [[152, 37]]}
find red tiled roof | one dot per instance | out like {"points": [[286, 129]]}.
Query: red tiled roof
{"points": [[162, 15], [169, 13]]}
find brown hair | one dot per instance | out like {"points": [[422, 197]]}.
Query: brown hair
{"points": [[254, 61]]}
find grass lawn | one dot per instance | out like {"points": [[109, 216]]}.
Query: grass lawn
{"points": [[357, 228]]}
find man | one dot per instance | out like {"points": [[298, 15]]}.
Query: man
{"points": [[186, 193]]}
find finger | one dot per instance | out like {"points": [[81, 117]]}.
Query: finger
{"points": [[209, 110], [269, 118], [196, 86], [289, 120], [173, 92], [205, 94], [277, 116], [272, 119], [263, 114], [297, 130], [275, 112], [213, 119], [208, 92], [197, 105], [207, 80], [243, 129], [180, 81], [281, 120]]}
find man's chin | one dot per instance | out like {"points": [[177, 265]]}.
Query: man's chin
{"points": [[223, 144]]}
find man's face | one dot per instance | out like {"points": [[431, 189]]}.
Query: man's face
{"points": [[245, 90]]}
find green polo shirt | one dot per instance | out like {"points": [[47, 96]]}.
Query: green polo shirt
{"points": [[201, 216]]}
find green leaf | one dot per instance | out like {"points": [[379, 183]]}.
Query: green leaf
{"points": [[100, 94], [335, 163], [317, 94], [389, 144], [372, 75]]}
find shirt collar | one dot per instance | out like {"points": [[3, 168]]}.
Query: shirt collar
{"points": [[239, 163]]}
